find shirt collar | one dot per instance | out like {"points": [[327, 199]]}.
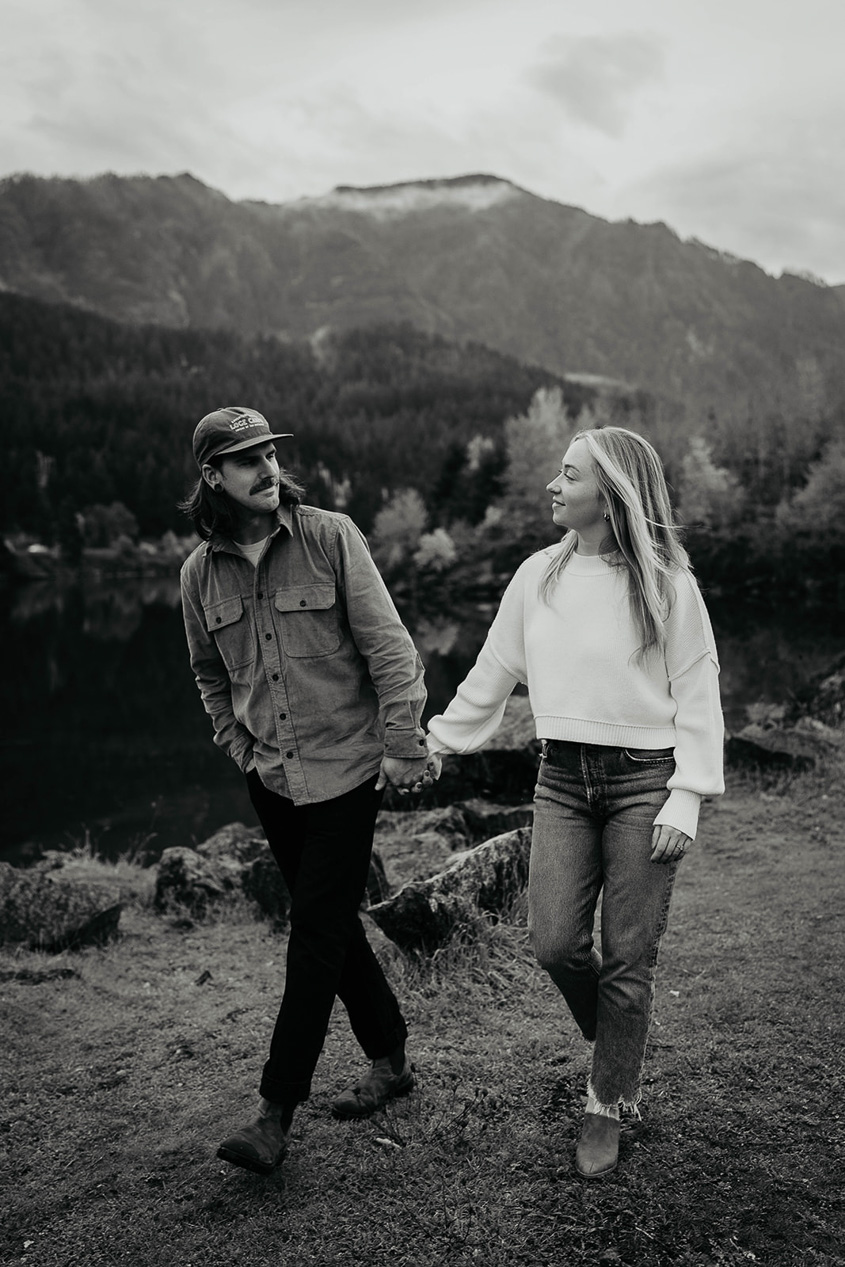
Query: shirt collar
{"points": [[284, 519]]}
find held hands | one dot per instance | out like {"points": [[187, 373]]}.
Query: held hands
{"points": [[668, 844], [408, 774]]}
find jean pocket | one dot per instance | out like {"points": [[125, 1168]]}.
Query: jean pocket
{"points": [[650, 756]]}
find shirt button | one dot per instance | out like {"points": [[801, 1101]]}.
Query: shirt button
{"points": [[268, 636], [259, 594], [283, 716], [219, 620], [288, 756], [275, 677], [302, 603]]}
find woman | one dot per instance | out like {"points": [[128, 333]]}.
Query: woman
{"points": [[609, 631]]}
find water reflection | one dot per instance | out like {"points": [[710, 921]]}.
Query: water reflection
{"points": [[105, 731]]}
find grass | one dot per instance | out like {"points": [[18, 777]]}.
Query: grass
{"points": [[118, 1082]]}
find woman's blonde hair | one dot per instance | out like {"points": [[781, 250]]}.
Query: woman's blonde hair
{"points": [[632, 484]]}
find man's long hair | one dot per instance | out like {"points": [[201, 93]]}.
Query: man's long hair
{"points": [[210, 511]]}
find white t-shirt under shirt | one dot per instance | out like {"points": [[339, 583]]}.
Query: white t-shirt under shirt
{"points": [[252, 552], [577, 655]]}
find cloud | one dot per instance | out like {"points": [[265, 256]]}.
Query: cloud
{"points": [[596, 76], [774, 192]]}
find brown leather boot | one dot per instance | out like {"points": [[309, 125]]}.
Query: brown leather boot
{"points": [[262, 1145], [374, 1090], [598, 1148]]}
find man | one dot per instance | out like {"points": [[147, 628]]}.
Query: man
{"points": [[315, 690]]}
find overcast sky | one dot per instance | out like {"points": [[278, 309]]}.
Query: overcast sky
{"points": [[726, 120]]}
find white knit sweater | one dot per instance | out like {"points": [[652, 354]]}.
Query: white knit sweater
{"points": [[576, 654]]}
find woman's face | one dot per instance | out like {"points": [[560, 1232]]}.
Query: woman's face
{"points": [[577, 503]]}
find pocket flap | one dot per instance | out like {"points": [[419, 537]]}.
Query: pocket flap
{"points": [[226, 612], [305, 598]]}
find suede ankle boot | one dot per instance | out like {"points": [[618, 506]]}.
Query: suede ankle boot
{"points": [[598, 1148], [262, 1145]]}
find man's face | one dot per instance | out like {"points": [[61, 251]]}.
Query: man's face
{"points": [[250, 479]]}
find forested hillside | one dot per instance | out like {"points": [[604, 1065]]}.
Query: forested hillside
{"points": [[440, 451], [93, 412]]}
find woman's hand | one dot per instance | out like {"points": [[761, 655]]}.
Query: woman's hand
{"points": [[668, 844]]}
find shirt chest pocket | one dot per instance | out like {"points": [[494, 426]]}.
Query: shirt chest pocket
{"points": [[309, 619], [232, 630]]}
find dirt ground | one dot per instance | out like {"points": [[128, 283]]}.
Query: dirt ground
{"points": [[123, 1067]]}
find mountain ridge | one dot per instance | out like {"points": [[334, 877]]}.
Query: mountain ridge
{"points": [[470, 258]]}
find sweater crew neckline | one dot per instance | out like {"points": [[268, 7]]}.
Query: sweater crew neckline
{"points": [[589, 564]]}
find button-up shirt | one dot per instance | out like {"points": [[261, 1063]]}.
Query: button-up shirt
{"points": [[303, 663]]}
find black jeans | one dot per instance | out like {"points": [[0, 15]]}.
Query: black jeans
{"points": [[323, 851]]}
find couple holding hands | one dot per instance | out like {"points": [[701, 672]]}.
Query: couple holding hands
{"points": [[316, 691]]}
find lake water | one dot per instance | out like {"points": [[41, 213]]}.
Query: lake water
{"points": [[105, 739]]}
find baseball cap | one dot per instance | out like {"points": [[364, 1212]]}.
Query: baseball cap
{"points": [[229, 429]]}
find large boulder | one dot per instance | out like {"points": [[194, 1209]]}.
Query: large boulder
{"points": [[184, 878], [43, 911], [419, 842], [243, 859], [236, 859], [425, 913]]}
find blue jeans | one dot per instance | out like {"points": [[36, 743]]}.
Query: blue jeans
{"points": [[594, 811], [323, 851]]}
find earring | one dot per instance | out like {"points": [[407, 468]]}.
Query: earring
{"points": [[606, 517]]}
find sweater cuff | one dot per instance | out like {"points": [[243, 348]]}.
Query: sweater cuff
{"points": [[681, 812]]}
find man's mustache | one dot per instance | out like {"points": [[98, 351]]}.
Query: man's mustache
{"points": [[260, 487]]}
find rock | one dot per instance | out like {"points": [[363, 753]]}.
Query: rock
{"points": [[777, 747], [485, 819], [823, 698], [498, 775], [504, 771], [185, 878], [234, 846], [419, 842], [41, 910], [236, 859], [263, 882], [425, 913]]}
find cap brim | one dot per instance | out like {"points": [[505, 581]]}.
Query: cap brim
{"points": [[247, 444]]}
